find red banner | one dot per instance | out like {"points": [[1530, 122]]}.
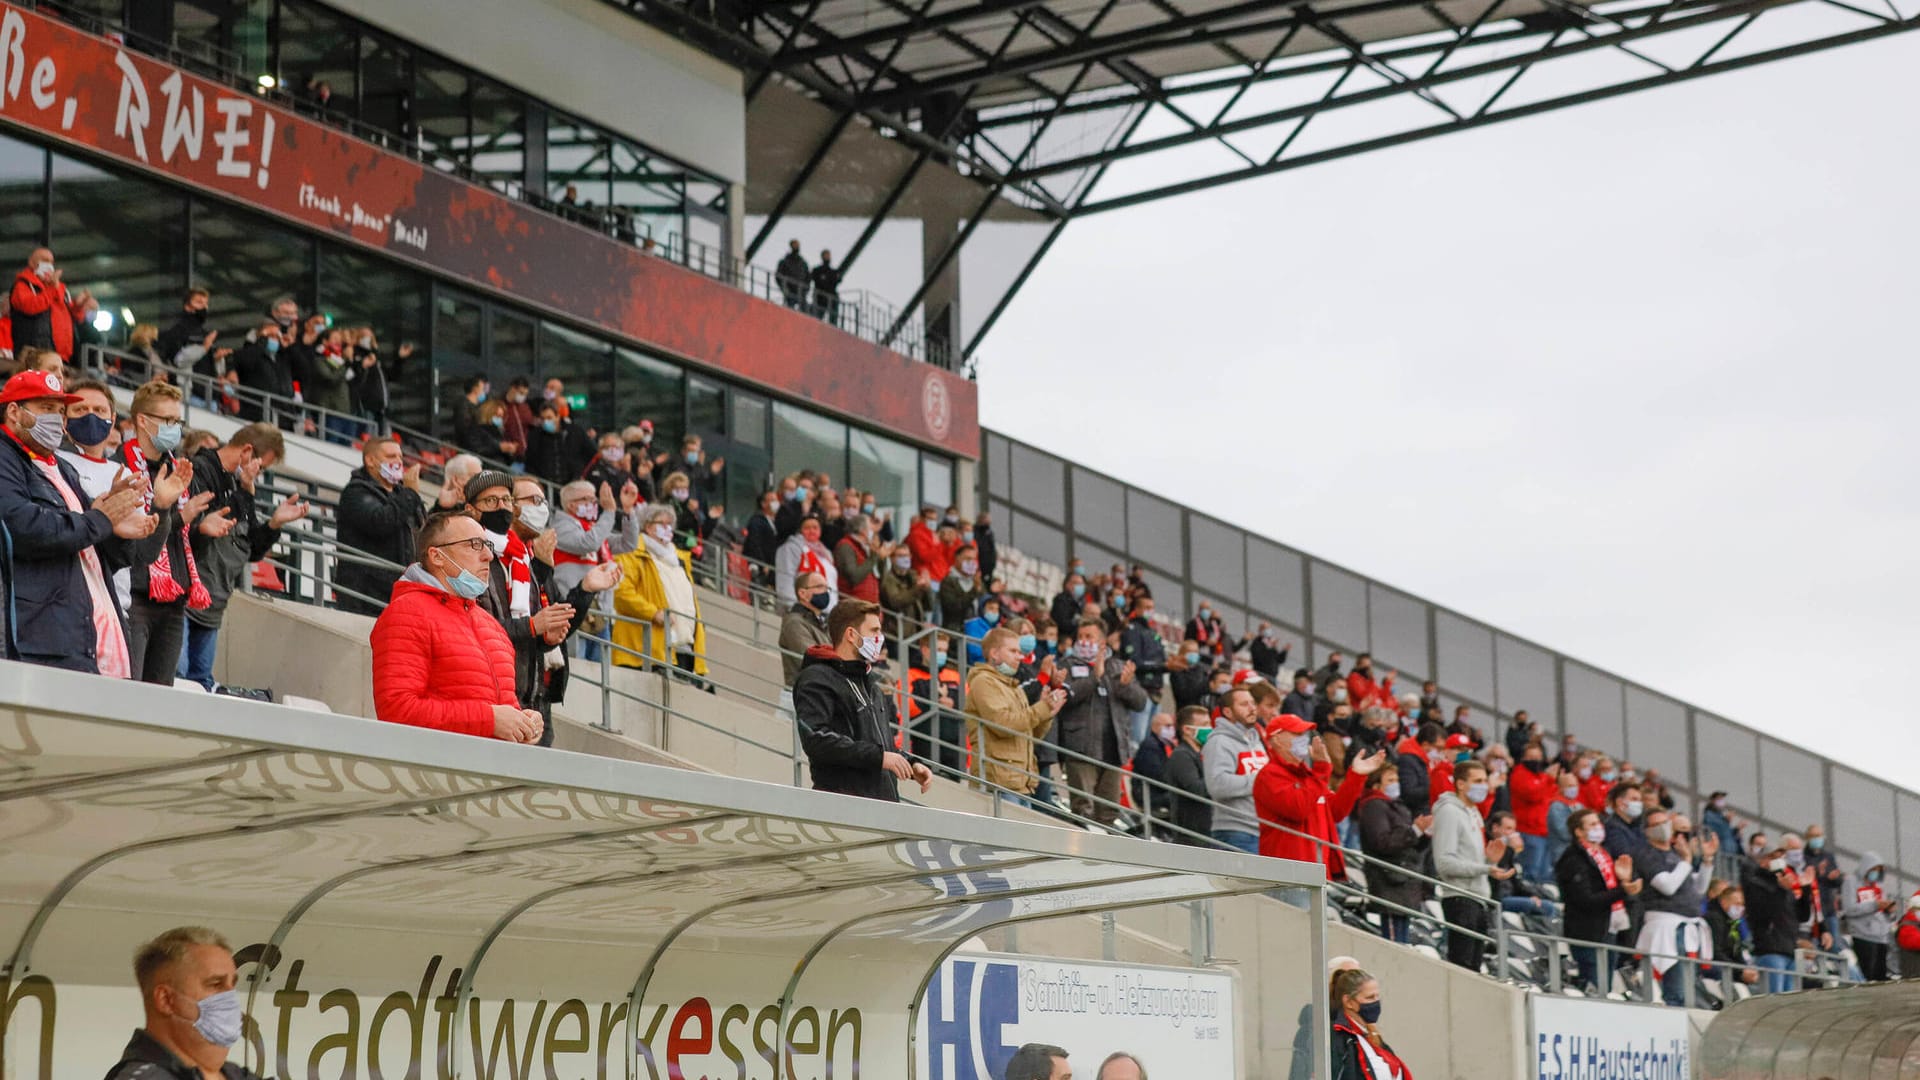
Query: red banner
{"points": [[56, 80]]}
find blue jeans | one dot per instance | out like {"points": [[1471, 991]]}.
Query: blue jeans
{"points": [[1012, 799], [1529, 905], [1533, 858], [1586, 967], [1673, 985], [1780, 977], [1143, 719], [196, 659], [1241, 841]]}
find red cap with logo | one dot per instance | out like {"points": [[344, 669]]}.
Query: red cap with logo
{"points": [[1459, 742], [36, 386], [1247, 675], [1288, 723]]}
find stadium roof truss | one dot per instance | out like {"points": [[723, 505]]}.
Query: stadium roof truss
{"points": [[1055, 109]]}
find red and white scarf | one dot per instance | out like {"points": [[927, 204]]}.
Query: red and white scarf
{"points": [[161, 587], [518, 559], [1618, 913]]}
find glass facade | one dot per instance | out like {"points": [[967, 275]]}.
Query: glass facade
{"points": [[138, 243], [1055, 509], [411, 99]]}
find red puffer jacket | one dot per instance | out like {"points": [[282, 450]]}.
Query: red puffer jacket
{"points": [[1532, 792], [439, 661]]}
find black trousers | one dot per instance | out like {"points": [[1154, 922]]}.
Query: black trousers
{"points": [[155, 634], [1873, 959], [1468, 914]]}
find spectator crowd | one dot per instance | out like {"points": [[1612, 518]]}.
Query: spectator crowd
{"points": [[905, 656]]}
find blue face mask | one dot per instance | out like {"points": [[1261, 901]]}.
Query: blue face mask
{"points": [[89, 430], [866, 508], [939, 658], [549, 426], [1193, 658], [693, 457], [1027, 643], [1005, 669], [1047, 648], [219, 1019], [1079, 592], [992, 617], [166, 437], [273, 346], [467, 587], [967, 537], [1817, 843]]}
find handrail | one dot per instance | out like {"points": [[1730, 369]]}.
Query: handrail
{"points": [[272, 407], [926, 727]]}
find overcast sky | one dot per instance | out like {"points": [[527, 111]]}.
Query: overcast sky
{"points": [[1636, 380]]}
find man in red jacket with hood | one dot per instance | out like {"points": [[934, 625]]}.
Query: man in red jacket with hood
{"points": [[1291, 796], [439, 659], [43, 314]]}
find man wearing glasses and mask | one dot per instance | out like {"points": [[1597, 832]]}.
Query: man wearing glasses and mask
{"points": [[440, 660]]}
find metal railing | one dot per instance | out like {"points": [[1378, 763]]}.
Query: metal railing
{"points": [[128, 370], [1509, 955], [874, 318]]}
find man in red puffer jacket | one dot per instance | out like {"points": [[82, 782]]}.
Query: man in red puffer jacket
{"points": [[439, 659], [43, 314]]}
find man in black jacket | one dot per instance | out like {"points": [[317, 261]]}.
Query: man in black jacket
{"points": [[229, 473], [64, 550], [792, 274], [1150, 762], [262, 371], [1187, 771], [380, 511], [826, 289], [846, 720], [516, 597], [1777, 906], [557, 448], [189, 328]]}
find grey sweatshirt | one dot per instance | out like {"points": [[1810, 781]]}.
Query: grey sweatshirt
{"points": [[1234, 755]]}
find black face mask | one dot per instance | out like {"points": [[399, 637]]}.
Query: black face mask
{"points": [[1534, 765], [496, 521]]}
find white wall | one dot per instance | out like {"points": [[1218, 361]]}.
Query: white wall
{"points": [[590, 59]]}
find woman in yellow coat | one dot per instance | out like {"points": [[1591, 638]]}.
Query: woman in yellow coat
{"points": [[656, 589]]}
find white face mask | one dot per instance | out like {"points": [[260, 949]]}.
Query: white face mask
{"points": [[661, 531], [1596, 834], [43, 268], [1302, 746], [871, 648], [534, 515]]}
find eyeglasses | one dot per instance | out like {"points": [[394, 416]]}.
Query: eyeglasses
{"points": [[493, 502], [535, 499], [477, 545]]}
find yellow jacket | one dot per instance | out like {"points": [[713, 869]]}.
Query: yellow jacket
{"points": [[998, 700], [640, 595]]}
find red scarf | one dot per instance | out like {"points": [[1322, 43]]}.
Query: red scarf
{"points": [[161, 587], [1601, 860], [563, 558], [519, 574]]}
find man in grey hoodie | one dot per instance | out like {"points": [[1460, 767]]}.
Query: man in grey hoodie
{"points": [[1234, 755], [1461, 859], [1869, 911]]}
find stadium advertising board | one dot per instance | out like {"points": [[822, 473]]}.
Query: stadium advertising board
{"points": [[88, 92], [980, 1008], [1580, 1039], [50, 1030]]}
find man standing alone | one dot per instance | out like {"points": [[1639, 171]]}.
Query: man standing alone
{"points": [[846, 720]]}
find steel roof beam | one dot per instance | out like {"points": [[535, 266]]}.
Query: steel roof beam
{"points": [[1485, 117]]}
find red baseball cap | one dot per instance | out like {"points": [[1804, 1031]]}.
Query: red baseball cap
{"points": [[1288, 723], [36, 386], [1247, 675], [646, 425], [1459, 742]]}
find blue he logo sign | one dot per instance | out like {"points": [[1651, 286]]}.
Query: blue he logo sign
{"points": [[963, 1034]]}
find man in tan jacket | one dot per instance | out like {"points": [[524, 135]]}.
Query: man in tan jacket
{"points": [[1000, 722]]}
